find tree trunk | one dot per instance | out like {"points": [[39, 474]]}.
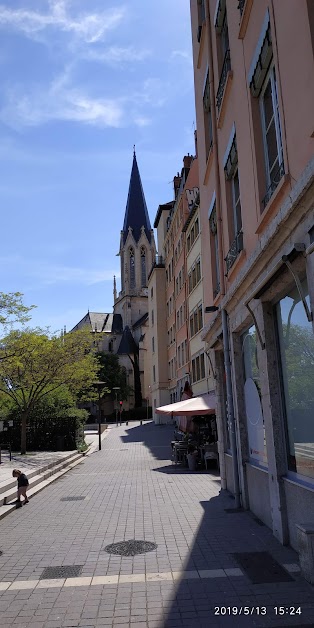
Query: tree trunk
{"points": [[137, 383], [24, 417]]}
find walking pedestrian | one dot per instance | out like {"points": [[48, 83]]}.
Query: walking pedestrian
{"points": [[22, 486]]}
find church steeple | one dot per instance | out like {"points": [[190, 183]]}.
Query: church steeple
{"points": [[136, 214]]}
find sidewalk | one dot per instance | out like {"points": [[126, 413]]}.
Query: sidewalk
{"points": [[130, 490]]}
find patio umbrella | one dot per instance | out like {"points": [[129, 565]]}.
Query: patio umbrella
{"points": [[205, 404]]}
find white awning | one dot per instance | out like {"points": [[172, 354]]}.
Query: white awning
{"points": [[196, 405]]}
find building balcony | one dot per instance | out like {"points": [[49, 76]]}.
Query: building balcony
{"points": [[235, 249], [275, 180], [241, 5], [226, 68]]}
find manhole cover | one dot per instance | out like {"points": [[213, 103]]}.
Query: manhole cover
{"points": [[72, 499], [62, 571], [130, 548]]}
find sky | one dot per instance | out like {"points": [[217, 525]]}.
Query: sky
{"points": [[82, 82]]}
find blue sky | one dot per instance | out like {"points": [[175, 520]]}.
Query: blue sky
{"points": [[82, 81]]}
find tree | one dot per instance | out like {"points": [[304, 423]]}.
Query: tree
{"points": [[34, 364], [12, 309], [113, 375]]}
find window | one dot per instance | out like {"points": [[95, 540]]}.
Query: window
{"points": [[154, 373], [214, 248], [271, 134], [122, 270], [143, 266], [253, 408], [197, 227], [201, 18], [151, 293], [223, 50], [296, 342], [132, 268], [152, 317], [153, 344], [198, 368], [208, 123], [198, 270], [265, 110], [196, 320]]}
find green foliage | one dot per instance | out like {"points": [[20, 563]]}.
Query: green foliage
{"points": [[55, 423], [34, 365], [113, 375], [12, 310]]}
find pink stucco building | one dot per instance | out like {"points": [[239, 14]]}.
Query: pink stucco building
{"points": [[254, 94]]}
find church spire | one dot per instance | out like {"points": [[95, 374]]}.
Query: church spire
{"points": [[136, 214]]}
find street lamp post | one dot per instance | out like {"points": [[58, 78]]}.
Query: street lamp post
{"points": [[99, 385], [116, 388]]}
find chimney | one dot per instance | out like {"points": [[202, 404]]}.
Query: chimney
{"points": [[195, 142], [187, 160], [176, 184]]}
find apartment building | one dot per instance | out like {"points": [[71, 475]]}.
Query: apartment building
{"points": [[254, 94]]}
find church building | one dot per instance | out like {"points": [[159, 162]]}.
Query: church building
{"points": [[125, 332]]}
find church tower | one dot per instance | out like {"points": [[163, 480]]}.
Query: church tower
{"points": [[137, 253]]}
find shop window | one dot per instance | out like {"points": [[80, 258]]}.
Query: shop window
{"points": [[252, 397], [296, 342]]}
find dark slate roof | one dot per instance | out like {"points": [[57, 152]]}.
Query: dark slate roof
{"points": [[136, 214], [140, 321], [98, 321], [117, 326], [161, 208], [127, 345]]}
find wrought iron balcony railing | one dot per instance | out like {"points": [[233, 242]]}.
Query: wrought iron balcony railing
{"points": [[235, 249], [241, 4], [275, 180], [226, 67]]}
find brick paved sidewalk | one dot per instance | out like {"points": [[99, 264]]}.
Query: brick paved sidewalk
{"points": [[130, 490]]}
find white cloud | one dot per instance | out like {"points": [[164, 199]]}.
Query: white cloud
{"points": [[59, 102], [90, 27], [117, 55]]}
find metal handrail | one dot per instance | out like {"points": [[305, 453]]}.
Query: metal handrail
{"points": [[226, 67]]}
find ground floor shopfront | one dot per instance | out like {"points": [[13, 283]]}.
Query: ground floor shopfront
{"points": [[269, 318]]}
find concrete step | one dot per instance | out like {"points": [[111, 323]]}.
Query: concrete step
{"points": [[48, 472], [8, 483]]}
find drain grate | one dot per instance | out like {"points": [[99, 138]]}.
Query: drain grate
{"points": [[61, 571], [230, 511], [76, 498], [130, 548], [261, 567]]}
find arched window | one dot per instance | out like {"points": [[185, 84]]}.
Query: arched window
{"points": [[132, 267], [143, 266], [122, 270]]}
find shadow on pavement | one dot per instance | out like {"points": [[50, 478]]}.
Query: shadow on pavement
{"points": [[152, 438], [193, 599]]}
